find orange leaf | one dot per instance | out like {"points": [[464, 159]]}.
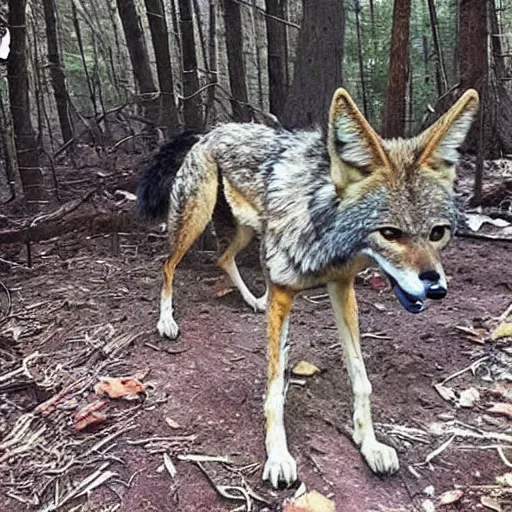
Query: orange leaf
{"points": [[90, 414], [119, 387]]}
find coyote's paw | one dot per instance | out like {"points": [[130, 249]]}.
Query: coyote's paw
{"points": [[260, 305], [168, 327], [280, 467], [380, 457]]}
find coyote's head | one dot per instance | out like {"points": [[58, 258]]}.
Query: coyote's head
{"points": [[408, 183]]}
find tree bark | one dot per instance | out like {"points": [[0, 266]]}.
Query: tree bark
{"points": [[56, 70], [394, 114], [236, 63], [192, 108], [139, 57], [160, 37], [318, 67], [24, 136], [276, 55]]}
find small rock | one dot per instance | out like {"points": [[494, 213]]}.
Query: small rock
{"points": [[305, 369]]}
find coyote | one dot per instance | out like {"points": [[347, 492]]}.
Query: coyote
{"points": [[325, 205]]}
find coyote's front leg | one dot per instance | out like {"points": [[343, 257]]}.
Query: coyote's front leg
{"points": [[280, 465], [380, 457]]}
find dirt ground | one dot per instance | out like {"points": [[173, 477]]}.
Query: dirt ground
{"points": [[88, 309], [209, 385]]}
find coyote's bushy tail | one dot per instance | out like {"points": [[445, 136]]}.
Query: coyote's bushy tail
{"points": [[155, 183]]}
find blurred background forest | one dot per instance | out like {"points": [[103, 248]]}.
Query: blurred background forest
{"points": [[115, 77]]}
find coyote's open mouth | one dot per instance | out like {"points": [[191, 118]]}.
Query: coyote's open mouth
{"points": [[410, 302]]}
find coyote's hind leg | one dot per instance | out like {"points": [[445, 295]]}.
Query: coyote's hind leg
{"points": [[242, 238], [185, 226]]}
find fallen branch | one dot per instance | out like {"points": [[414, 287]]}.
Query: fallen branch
{"points": [[63, 210], [94, 223]]}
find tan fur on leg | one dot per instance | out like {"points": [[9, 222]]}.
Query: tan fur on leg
{"points": [[191, 223], [280, 465], [380, 458]]}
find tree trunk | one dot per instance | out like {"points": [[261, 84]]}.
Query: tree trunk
{"points": [[17, 75], [160, 37], [472, 48], [56, 71], [192, 108], [139, 57], [276, 56], [394, 115], [236, 63], [318, 67]]}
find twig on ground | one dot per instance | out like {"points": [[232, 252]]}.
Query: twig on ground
{"points": [[22, 370], [473, 366], [440, 449]]}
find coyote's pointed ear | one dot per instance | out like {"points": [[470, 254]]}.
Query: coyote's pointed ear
{"points": [[441, 142], [354, 147]]}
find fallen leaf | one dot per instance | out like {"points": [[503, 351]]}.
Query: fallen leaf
{"points": [[490, 503], [504, 480], [428, 506], [124, 387], [502, 409], [172, 423], [502, 331], [449, 497], [429, 490], [127, 195], [446, 393], [90, 414], [305, 369], [222, 288], [313, 502], [469, 397]]}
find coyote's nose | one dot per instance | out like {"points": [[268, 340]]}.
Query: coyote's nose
{"points": [[433, 288]]}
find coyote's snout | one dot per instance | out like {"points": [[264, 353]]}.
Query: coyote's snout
{"points": [[324, 206]]}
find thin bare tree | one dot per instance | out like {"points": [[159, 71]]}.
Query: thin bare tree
{"points": [[192, 107], [56, 70], [136, 44], [159, 34], [277, 56]]}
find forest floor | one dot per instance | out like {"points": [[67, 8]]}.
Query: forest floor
{"points": [[87, 308]]}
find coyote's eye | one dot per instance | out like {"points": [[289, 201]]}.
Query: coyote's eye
{"points": [[437, 233], [391, 233]]}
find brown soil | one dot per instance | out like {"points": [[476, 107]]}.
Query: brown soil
{"points": [[214, 388]]}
